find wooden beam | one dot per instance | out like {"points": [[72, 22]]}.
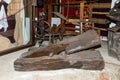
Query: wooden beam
{"points": [[74, 3], [101, 5], [50, 11], [100, 13], [99, 21], [81, 11]]}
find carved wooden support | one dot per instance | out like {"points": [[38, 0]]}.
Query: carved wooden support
{"points": [[89, 60]]}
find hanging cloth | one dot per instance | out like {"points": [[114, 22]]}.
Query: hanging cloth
{"points": [[20, 34], [3, 19], [24, 30]]}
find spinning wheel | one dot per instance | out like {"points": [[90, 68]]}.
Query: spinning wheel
{"points": [[43, 31], [42, 28]]}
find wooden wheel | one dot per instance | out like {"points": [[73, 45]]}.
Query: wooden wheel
{"points": [[42, 28]]}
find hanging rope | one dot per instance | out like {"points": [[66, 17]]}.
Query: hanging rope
{"points": [[30, 3]]}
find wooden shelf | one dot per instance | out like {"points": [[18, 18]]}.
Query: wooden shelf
{"points": [[80, 5]]}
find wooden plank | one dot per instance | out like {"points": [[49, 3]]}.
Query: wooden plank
{"points": [[74, 2], [101, 5], [100, 21], [100, 13]]}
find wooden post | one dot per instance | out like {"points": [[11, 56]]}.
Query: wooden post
{"points": [[81, 15], [81, 11], [49, 12]]}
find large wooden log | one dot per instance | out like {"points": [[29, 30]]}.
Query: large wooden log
{"points": [[91, 60], [87, 40]]}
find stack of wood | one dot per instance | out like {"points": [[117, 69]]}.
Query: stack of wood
{"points": [[74, 52]]}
